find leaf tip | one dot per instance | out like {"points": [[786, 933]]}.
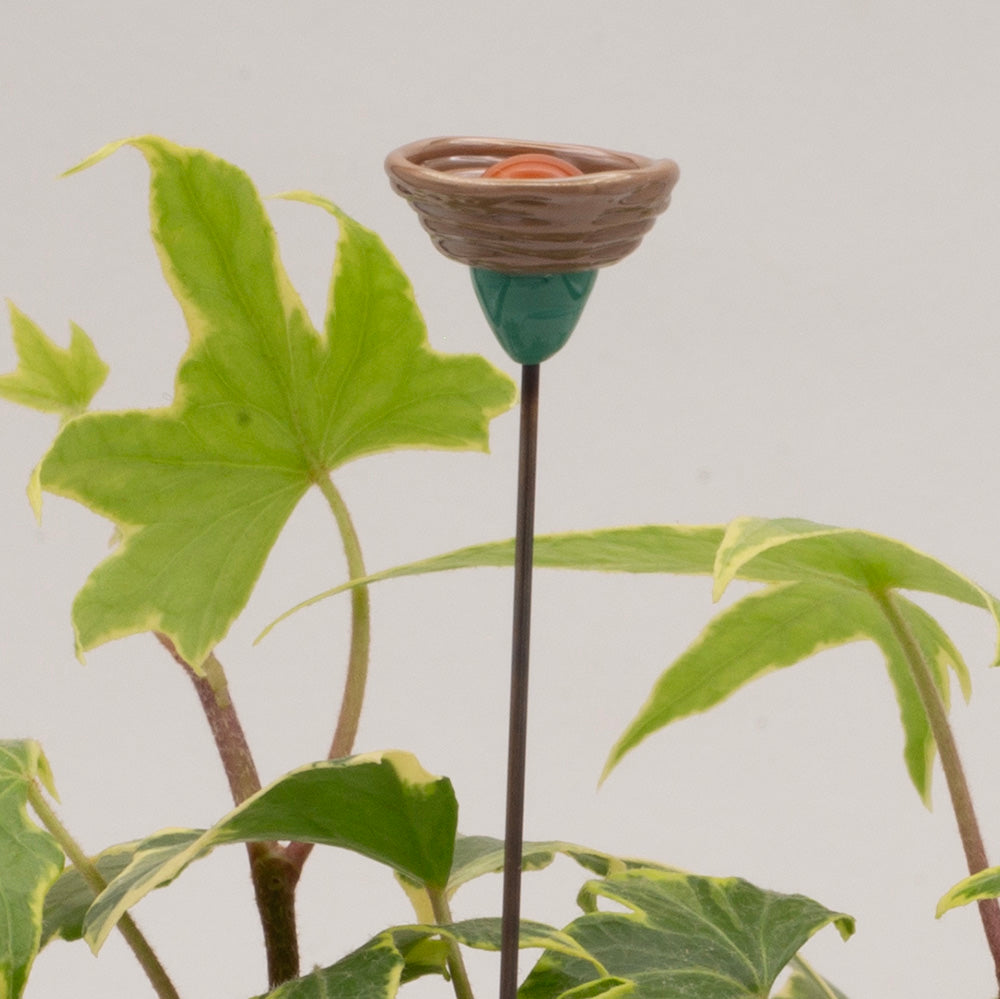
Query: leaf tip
{"points": [[318, 201], [985, 884], [618, 750], [34, 491], [845, 926], [953, 898], [95, 157], [146, 144], [38, 770], [79, 647]]}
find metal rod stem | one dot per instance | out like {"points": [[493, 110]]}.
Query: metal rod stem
{"points": [[517, 738]]}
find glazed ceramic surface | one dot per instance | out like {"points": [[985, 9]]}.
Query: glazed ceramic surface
{"points": [[531, 226]]}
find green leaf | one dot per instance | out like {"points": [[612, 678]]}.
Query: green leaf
{"points": [[51, 378], [70, 896], [402, 953], [975, 888], [682, 933], [382, 805], [684, 936], [479, 855], [805, 983], [765, 631], [701, 938], [476, 856], [648, 549], [608, 987], [487, 934], [779, 626], [30, 861], [264, 407], [786, 549], [373, 971], [941, 655]]}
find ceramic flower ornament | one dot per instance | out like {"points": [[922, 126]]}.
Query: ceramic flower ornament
{"points": [[534, 221]]}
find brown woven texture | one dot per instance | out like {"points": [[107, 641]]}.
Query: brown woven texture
{"points": [[531, 226]]}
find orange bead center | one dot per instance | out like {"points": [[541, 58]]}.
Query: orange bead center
{"points": [[533, 166]]}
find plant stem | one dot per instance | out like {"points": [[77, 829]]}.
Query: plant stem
{"points": [[227, 730], [951, 763], [357, 663], [456, 965], [138, 944], [273, 874], [275, 877]]}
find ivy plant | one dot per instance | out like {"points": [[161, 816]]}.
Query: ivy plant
{"points": [[268, 406]]}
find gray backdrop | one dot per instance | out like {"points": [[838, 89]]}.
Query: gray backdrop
{"points": [[811, 330]]}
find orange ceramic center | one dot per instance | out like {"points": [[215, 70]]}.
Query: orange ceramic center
{"points": [[533, 166]]}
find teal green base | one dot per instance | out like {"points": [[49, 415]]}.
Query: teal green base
{"points": [[532, 315]]}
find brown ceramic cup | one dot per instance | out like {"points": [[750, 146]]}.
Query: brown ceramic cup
{"points": [[531, 226]]}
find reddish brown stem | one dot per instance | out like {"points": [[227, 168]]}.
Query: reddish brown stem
{"points": [[951, 763], [274, 875], [227, 730]]}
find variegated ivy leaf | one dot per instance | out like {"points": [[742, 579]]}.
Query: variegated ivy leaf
{"points": [[476, 856], [403, 953], [792, 549], [384, 806], [750, 548], [265, 406], [70, 897], [479, 855], [671, 548], [806, 983], [985, 884], [828, 588], [824, 581], [51, 378], [374, 971], [782, 625], [701, 938], [30, 861], [682, 935]]}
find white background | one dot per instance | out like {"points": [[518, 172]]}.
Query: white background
{"points": [[810, 330]]}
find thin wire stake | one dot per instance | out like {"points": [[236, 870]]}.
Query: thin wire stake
{"points": [[517, 738]]}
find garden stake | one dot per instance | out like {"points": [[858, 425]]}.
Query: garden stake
{"points": [[533, 221], [520, 647], [532, 316]]}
